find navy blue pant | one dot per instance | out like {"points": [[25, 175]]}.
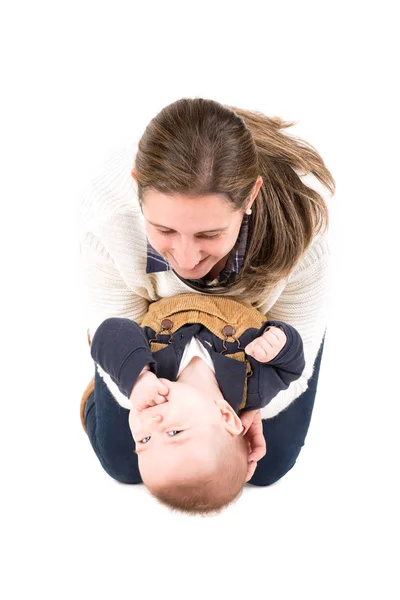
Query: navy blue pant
{"points": [[108, 430]]}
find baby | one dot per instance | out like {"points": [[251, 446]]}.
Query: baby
{"points": [[197, 377]]}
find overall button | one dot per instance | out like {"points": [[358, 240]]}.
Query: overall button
{"points": [[228, 330], [167, 324]]}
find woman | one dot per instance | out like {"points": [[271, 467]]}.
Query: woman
{"points": [[212, 202]]}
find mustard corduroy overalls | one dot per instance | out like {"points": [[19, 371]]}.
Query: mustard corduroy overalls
{"points": [[225, 317]]}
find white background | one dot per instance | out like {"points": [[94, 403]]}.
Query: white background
{"points": [[79, 79]]}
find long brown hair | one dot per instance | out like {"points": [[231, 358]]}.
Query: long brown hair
{"points": [[197, 147]]}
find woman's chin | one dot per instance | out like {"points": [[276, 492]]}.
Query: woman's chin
{"points": [[197, 272], [192, 274]]}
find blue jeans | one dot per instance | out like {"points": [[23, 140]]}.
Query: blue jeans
{"points": [[109, 433]]}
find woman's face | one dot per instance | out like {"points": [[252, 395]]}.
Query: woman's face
{"points": [[193, 234]]}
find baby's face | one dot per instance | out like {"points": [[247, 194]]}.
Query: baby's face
{"points": [[179, 434]]}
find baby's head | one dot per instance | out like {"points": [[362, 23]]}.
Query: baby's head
{"points": [[191, 451]]}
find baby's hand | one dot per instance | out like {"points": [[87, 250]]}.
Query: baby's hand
{"points": [[268, 345], [148, 390]]}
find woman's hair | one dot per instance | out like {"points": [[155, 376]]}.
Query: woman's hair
{"points": [[198, 147], [199, 495]]}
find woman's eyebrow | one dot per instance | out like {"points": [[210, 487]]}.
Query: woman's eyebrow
{"points": [[208, 230]]}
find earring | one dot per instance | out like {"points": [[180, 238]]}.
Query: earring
{"points": [[248, 211]]}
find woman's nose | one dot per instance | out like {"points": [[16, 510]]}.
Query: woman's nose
{"points": [[187, 254]]}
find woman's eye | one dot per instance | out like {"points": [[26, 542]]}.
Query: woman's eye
{"points": [[174, 431], [204, 237], [209, 237]]}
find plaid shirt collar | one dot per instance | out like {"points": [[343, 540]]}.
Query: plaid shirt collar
{"points": [[157, 263]]}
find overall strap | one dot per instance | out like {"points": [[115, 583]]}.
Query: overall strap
{"points": [[225, 317], [222, 315]]}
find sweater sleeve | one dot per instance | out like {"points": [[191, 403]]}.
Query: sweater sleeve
{"points": [[121, 348], [303, 304], [106, 295], [113, 251]]}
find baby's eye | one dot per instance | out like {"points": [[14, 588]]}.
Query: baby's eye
{"points": [[145, 440], [171, 433]]}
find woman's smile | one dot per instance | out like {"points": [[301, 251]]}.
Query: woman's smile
{"points": [[195, 268]]}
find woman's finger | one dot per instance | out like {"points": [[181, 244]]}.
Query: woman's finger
{"points": [[247, 419], [258, 444], [250, 473], [258, 451]]}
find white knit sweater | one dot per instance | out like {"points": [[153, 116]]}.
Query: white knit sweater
{"points": [[113, 254]]}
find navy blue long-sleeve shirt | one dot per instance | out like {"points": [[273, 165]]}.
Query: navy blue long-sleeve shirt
{"points": [[121, 347]]}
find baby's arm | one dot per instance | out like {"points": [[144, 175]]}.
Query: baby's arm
{"points": [[122, 350], [280, 349]]}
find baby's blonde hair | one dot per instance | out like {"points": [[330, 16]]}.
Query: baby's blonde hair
{"points": [[209, 495]]}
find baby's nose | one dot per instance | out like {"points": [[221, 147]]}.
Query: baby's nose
{"points": [[156, 418]]}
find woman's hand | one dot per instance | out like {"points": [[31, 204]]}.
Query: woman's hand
{"points": [[268, 345], [253, 432], [148, 390]]}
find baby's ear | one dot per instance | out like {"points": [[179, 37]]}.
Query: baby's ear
{"points": [[221, 402], [232, 422]]}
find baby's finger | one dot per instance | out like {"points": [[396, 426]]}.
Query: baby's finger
{"points": [[275, 336], [265, 343], [143, 403], [271, 334], [162, 386], [162, 389], [164, 381], [262, 349], [249, 348], [160, 399]]}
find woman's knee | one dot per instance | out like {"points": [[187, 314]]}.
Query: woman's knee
{"points": [[120, 468], [123, 476], [267, 476]]}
